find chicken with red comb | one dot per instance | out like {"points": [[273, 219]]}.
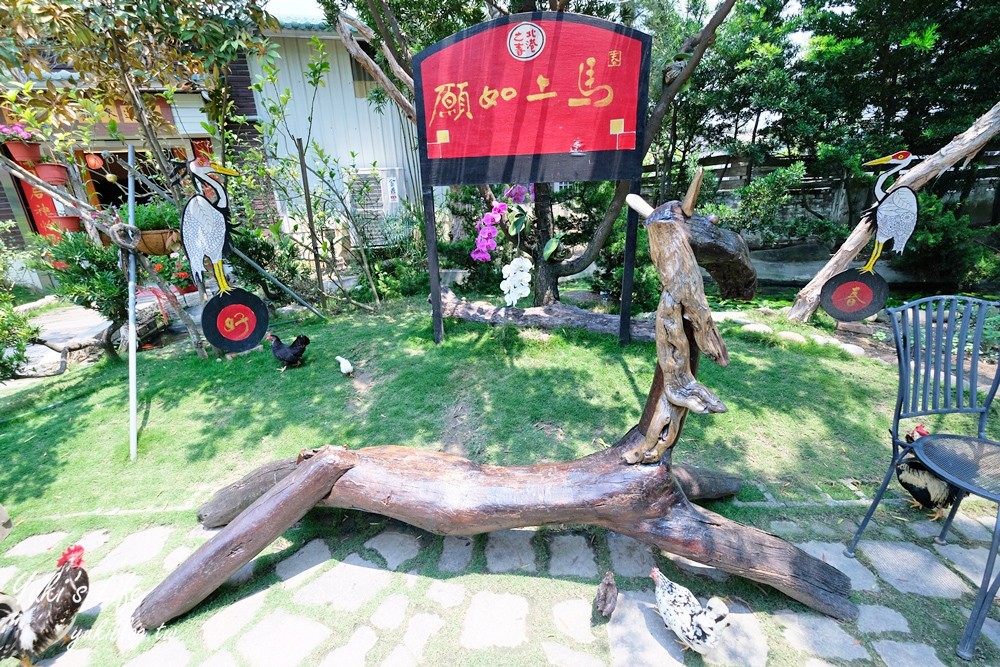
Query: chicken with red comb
{"points": [[28, 633]]}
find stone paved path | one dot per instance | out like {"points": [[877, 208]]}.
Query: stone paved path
{"points": [[396, 597]]}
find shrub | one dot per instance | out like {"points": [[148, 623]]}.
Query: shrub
{"points": [[15, 331], [89, 274], [279, 256], [154, 215]]}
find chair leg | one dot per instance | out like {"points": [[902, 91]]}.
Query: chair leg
{"points": [[849, 551], [987, 591], [940, 539]]}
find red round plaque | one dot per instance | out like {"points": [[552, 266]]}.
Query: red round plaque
{"points": [[851, 297], [236, 321]]}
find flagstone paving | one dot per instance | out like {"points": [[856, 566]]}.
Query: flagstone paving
{"points": [[396, 596]]}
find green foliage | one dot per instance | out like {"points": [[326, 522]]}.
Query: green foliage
{"points": [[15, 331], [158, 214], [278, 255], [92, 276], [483, 277], [611, 266], [943, 247], [173, 268], [399, 271]]}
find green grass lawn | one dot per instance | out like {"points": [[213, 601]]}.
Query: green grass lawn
{"points": [[803, 422]]}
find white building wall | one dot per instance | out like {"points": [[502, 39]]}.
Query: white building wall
{"points": [[343, 123]]}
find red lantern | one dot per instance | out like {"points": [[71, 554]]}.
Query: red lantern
{"points": [[94, 161]]}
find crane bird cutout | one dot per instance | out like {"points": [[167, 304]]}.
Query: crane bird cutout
{"points": [[234, 320], [858, 293]]}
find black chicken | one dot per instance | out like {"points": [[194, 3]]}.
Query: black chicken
{"points": [[928, 490], [288, 355], [30, 632]]}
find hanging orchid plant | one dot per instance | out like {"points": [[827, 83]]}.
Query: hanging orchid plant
{"points": [[517, 277]]}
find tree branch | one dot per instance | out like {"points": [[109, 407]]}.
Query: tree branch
{"points": [[352, 46]]}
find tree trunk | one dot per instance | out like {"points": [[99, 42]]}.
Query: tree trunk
{"points": [[546, 279], [965, 145]]}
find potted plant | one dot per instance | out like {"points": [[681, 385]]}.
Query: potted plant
{"points": [[65, 223], [160, 226], [174, 268], [51, 171], [24, 144]]}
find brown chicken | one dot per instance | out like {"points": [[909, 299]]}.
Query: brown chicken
{"points": [[25, 633]]}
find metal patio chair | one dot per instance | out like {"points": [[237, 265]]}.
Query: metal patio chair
{"points": [[938, 346]]}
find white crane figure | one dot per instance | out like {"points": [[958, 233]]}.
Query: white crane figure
{"points": [[204, 224], [896, 212]]}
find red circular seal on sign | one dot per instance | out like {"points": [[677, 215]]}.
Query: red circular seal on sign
{"points": [[236, 321], [853, 296]]}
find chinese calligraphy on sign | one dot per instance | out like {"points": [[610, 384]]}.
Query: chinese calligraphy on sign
{"points": [[558, 84]]}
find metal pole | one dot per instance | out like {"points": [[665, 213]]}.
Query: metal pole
{"points": [[628, 272], [430, 232], [309, 219], [241, 255], [133, 434]]}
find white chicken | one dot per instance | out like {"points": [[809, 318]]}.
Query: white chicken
{"points": [[345, 366], [696, 627]]}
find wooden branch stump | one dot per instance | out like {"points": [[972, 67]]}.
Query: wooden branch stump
{"points": [[259, 525]]}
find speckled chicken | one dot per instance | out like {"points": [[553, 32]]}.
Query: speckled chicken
{"points": [[696, 627], [30, 632]]}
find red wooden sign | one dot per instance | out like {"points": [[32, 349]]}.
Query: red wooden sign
{"points": [[544, 96]]}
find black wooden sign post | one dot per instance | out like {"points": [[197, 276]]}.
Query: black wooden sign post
{"points": [[537, 97]]}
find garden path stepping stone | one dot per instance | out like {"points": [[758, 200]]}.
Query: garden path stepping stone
{"points": [[562, 656], [135, 549], [126, 639], [94, 540], [925, 529], [110, 592], [629, 557], [853, 350], [37, 544], [906, 654], [792, 337], [991, 629], [754, 327], [199, 532], [456, 555], [820, 636], [6, 574], [231, 619], [911, 569], [347, 586], [170, 652], [353, 653], [421, 628], [176, 557], [572, 556], [445, 594], [6, 525], [301, 565], [221, 659], [638, 636], [572, 618], [971, 528], [875, 618], [242, 575], [743, 643], [785, 528], [970, 562], [833, 553], [495, 619], [281, 639], [74, 657], [510, 550], [391, 613], [816, 662], [395, 547]]}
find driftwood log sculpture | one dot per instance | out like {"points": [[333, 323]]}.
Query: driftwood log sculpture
{"points": [[450, 495]]}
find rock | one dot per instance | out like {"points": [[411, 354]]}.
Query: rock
{"points": [[856, 327], [395, 547], [37, 544], [354, 652], [346, 587], [911, 569], [510, 551], [391, 613], [445, 594], [303, 564], [792, 337], [972, 529], [135, 549], [176, 557], [629, 557], [638, 636], [572, 618], [5, 524], [906, 654], [562, 656], [820, 635], [833, 553], [281, 639], [755, 327], [853, 350], [456, 555], [742, 644], [572, 556], [495, 619], [94, 540], [874, 619], [970, 562], [231, 619]]}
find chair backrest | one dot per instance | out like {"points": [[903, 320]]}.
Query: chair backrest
{"points": [[939, 344]]}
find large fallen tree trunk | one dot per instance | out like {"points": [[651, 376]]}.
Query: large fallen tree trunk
{"points": [[451, 495]]}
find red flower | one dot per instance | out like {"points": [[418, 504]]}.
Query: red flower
{"points": [[182, 274], [157, 267]]}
